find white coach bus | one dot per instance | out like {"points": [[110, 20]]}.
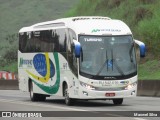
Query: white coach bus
{"points": [[88, 58]]}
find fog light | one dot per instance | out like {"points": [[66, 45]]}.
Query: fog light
{"points": [[85, 93], [133, 92]]}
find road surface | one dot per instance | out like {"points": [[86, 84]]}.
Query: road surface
{"points": [[15, 100]]}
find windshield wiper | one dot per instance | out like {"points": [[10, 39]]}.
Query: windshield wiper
{"points": [[116, 65], [106, 61], [118, 68]]}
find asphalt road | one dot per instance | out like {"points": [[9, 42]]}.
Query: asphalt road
{"points": [[15, 100]]}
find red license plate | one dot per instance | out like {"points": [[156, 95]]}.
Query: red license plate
{"points": [[110, 94]]}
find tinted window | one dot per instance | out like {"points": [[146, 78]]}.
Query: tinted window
{"points": [[22, 41], [44, 41]]}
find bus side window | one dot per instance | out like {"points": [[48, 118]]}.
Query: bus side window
{"points": [[22, 41], [30, 45], [46, 41], [62, 39], [36, 40]]}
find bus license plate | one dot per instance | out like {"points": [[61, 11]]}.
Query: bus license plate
{"points": [[110, 94]]}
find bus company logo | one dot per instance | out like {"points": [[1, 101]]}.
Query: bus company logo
{"points": [[106, 30], [96, 30], [108, 83], [26, 62]]}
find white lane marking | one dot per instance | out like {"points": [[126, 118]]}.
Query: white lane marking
{"points": [[40, 105], [140, 119], [114, 115], [13, 96]]}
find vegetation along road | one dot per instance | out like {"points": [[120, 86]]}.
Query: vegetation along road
{"points": [[142, 16]]}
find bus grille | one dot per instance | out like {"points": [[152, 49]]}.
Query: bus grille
{"points": [[110, 89]]}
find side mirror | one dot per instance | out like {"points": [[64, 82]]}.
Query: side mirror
{"points": [[142, 48], [77, 48]]}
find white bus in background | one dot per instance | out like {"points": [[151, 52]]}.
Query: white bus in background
{"points": [[89, 58]]}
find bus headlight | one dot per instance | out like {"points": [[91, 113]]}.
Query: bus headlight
{"points": [[87, 86], [130, 86]]}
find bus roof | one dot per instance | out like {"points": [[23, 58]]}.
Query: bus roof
{"points": [[90, 25]]}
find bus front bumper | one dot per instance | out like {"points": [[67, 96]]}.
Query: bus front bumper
{"points": [[93, 94]]}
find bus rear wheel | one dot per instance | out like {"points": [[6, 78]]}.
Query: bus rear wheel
{"points": [[118, 101], [69, 101], [35, 96]]}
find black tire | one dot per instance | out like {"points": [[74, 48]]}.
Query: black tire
{"points": [[35, 96], [41, 97], [69, 101], [118, 101]]}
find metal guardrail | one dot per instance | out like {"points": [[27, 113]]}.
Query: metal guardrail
{"points": [[9, 85], [145, 87], [149, 88]]}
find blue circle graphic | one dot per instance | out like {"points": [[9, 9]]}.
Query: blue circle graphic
{"points": [[39, 62]]}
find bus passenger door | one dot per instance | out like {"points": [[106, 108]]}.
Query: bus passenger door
{"points": [[73, 64]]}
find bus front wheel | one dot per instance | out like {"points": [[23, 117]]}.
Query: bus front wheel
{"points": [[69, 101], [35, 96], [118, 101]]}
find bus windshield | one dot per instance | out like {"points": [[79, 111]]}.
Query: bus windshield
{"points": [[107, 56]]}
